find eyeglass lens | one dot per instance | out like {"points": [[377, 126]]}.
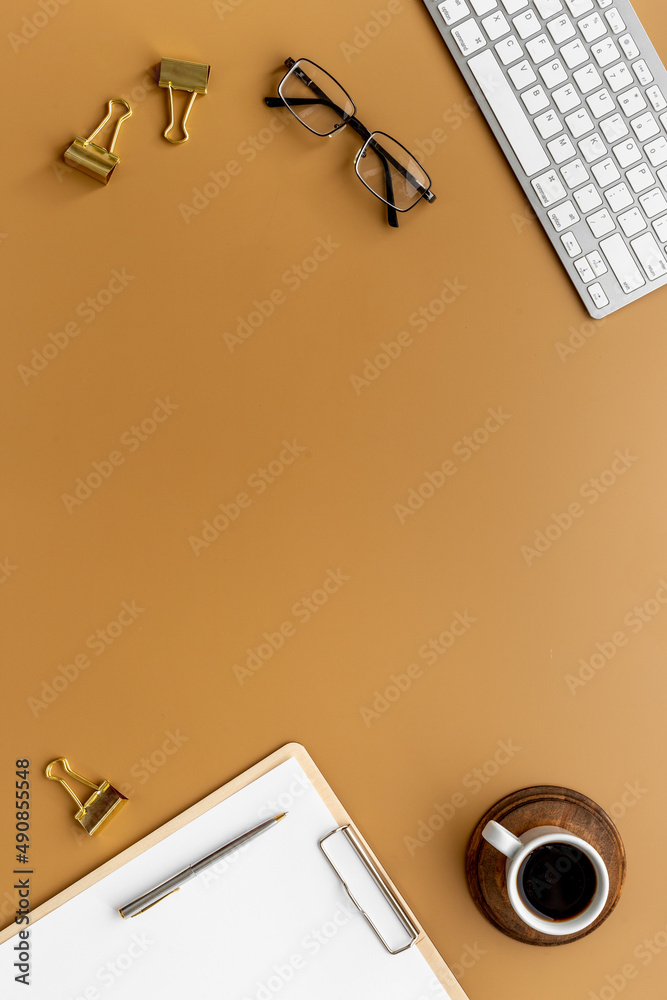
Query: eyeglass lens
{"points": [[390, 172], [315, 98]]}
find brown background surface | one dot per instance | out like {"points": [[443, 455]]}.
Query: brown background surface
{"points": [[162, 337]]}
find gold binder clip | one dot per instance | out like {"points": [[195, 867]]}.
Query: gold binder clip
{"points": [[97, 810], [96, 161], [177, 74]]}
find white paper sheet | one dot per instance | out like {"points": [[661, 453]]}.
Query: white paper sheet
{"points": [[272, 920]]}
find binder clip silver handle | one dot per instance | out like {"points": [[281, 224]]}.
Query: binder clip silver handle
{"points": [[178, 74], [94, 160]]}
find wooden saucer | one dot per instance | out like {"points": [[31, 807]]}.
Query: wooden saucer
{"points": [[541, 805]]}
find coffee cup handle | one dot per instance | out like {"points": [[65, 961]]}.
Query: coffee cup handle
{"points": [[502, 839]]}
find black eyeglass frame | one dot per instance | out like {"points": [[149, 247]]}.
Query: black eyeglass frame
{"points": [[369, 137]]}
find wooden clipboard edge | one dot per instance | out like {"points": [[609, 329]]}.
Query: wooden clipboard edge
{"points": [[333, 804]]}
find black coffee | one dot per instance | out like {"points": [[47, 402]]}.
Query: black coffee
{"points": [[558, 881]]}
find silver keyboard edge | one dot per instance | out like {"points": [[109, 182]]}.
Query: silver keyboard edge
{"points": [[647, 51]]}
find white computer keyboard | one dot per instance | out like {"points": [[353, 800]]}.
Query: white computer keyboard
{"points": [[576, 96]]}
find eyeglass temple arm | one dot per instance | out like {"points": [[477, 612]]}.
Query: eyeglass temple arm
{"points": [[280, 102], [392, 214]]}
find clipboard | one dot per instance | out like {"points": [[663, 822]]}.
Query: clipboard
{"points": [[244, 913]]}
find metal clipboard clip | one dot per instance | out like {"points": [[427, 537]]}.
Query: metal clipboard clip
{"points": [[178, 74], [352, 855], [98, 809], [96, 161]]}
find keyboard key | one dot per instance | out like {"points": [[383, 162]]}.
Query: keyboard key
{"points": [[546, 8], [614, 128], [535, 100], [587, 198], [640, 178], [619, 197], [585, 270], [598, 266], [548, 124], [615, 21], [512, 6], [592, 27], [579, 7], [561, 28], [653, 203], [627, 153], [527, 24], [579, 122], [571, 245], [605, 3], [632, 102], [645, 126], [660, 227], [496, 25], [507, 109], [632, 222], [601, 103], [539, 49], [509, 50], [598, 296], [642, 72], [561, 149], [469, 37], [549, 188], [587, 78], [522, 75], [601, 223], [566, 98], [574, 53], [657, 98], [656, 151], [622, 263], [618, 77], [662, 176], [629, 46], [563, 216], [453, 10], [574, 174], [650, 256], [553, 73], [605, 52], [483, 6], [606, 172], [593, 148]]}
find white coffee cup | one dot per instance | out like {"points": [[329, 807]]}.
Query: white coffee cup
{"points": [[517, 851]]}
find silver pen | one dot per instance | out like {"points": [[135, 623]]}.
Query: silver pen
{"points": [[154, 896]]}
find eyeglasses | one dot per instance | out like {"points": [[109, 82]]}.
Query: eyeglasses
{"points": [[387, 168]]}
